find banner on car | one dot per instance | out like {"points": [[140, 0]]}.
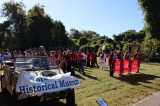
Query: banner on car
{"points": [[37, 85]]}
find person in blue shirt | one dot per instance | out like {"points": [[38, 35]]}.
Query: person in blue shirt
{"points": [[1, 61]]}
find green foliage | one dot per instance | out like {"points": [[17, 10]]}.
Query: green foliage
{"points": [[15, 25], [74, 34], [151, 11], [87, 48], [36, 28], [102, 41], [83, 41]]}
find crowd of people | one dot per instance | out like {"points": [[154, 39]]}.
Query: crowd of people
{"points": [[71, 60], [68, 60]]}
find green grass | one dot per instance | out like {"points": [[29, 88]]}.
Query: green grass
{"points": [[117, 91]]}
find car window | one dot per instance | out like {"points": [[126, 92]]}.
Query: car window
{"points": [[35, 63]]}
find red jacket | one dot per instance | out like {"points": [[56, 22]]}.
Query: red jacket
{"points": [[110, 58]]}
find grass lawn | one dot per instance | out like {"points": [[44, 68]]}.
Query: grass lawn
{"points": [[117, 91]]}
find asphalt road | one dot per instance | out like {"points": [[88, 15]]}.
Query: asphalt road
{"points": [[153, 100]]}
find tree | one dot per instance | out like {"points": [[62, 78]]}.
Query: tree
{"points": [[40, 26], [16, 17], [151, 11], [59, 34], [83, 41], [88, 34], [74, 34]]}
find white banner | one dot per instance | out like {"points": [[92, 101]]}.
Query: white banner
{"points": [[37, 85]]}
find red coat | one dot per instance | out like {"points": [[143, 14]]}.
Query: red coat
{"points": [[63, 64], [120, 56], [73, 56], [110, 58], [80, 56], [88, 57]]}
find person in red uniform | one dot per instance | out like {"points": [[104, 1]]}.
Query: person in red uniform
{"points": [[120, 57], [76, 59], [88, 59], [63, 64], [56, 55], [127, 56], [95, 59], [136, 57], [80, 62], [92, 59], [72, 57], [110, 61]]}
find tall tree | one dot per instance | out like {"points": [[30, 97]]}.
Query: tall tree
{"points": [[59, 34], [16, 17], [151, 11], [40, 26]]}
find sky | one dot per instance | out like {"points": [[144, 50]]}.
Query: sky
{"points": [[106, 17]]}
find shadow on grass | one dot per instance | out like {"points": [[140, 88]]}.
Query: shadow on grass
{"points": [[6, 101], [79, 76], [91, 77], [134, 79]]}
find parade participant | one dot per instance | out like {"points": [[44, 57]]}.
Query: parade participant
{"points": [[73, 59], [103, 60], [7, 54], [69, 63], [1, 60], [59, 59], [42, 51], [56, 57], [80, 62], [30, 52], [92, 59], [52, 58], [113, 58], [63, 64], [110, 61], [127, 56], [76, 59], [88, 59], [136, 57], [95, 59], [84, 58], [120, 57]]}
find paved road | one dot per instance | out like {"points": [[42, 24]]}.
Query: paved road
{"points": [[153, 100]]}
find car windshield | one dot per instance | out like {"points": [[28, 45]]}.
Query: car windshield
{"points": [[35, 63]]}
